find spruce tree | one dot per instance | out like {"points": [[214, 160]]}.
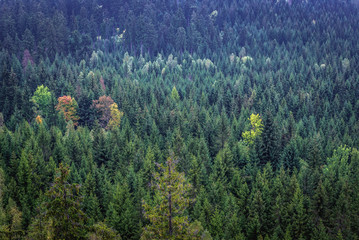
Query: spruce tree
{"points": [[63, 207], [167, 214], [269, 144]]}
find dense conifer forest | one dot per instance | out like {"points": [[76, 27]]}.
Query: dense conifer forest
{"points": [[179, 119]]}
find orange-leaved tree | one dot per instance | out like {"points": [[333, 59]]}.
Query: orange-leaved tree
{"points": [[68, 106], [38, 119]]}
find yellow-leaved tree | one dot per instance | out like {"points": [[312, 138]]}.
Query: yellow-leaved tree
{"points": [[116, 115], [257, 127], [174, 94]]}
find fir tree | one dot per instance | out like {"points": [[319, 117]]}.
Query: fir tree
{"points": [[167, 215], [63, 207], [269, 143]]}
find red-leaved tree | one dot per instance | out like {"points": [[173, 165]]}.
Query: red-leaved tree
{"points": [[68, 106], [26, 58], [102, 83], [103, 107]]}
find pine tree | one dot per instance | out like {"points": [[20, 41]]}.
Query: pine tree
{"points": [[148, 168], [2, 210], [121, 214], [13, 229], [64, 207], [269, 145], [40, 228], [100, 231], [217, 224], [290, 156], [174, 94], [297, 212], [320, 232], [167, 215], [223, 130], [195, 174], [100, 155], [10, 95], [92, 208], [26, 180]]}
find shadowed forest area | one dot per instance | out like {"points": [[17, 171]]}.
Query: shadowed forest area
{"points": [[179, 119]]}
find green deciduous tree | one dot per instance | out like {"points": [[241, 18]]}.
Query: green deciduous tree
{"points": [[256, 129], [41, 100]]}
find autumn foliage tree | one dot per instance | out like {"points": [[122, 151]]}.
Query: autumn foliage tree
{"points": [[103, 107], [184, 75], [115, 118], [27, 59], [68, 106], [39, 119]]}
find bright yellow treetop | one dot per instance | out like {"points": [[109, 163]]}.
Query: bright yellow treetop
{"points": [[116, 116], [257, 127]]}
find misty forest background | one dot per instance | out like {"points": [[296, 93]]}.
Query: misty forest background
{"points": [[187, 119]]}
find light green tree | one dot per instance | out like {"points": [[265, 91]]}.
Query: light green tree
{"points": [[41, 100], [174, 94], [257, 127]]}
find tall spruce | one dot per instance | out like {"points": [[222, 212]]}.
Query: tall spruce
{"points": [[167, 214], [269, 151]]}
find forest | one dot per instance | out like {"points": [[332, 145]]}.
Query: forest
{"points": [[179, 119]]}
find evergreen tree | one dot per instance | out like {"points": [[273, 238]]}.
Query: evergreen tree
{"points": [[2, 210], [174, 94], [167, 214], [101, 231], [121, 214], [269, 151], [13, 228], [63, 207]]}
